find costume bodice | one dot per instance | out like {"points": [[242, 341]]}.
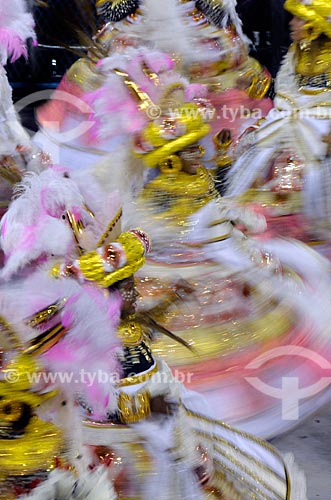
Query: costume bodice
{"points": [[176, 196], [136, 360], [304, 79], [313, 65]]}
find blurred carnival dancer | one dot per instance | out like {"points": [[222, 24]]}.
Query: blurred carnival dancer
{"points": [[194, 239], [204, 40], [38, 458], [243, 296], [234, 286], [284, 164], [153, 433], [17, 152]]}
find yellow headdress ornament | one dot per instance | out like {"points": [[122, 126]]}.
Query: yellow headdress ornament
{"points": [[175, 132], [110, 263], [317, 13]]}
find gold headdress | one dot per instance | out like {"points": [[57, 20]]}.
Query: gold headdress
{"points": [[175, 132], [317, 13], [171, 143], [110, 263]]}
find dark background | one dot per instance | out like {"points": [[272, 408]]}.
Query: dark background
{"points": [[266, 23]]}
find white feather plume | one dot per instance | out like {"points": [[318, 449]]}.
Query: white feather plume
{"points": [[167, 26], [16, 26], [35, 224], [63, 485], [32, 226], [164, 26], [233, 17]]}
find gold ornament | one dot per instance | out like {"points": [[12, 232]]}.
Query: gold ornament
{"points": [[189, 121], [171, 166], [92, 264], [313, 66], [19, 371], [222, 146], [77, 228], [33, 452], [184, 193], [130, 332], [46, 340], [110, 228], [260, 84], [45, 315], [144, 101], [34, 446], [134, 407]]}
